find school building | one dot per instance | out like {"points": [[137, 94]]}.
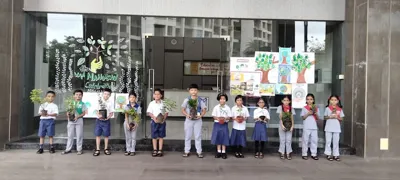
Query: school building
{"points": [[140, 45]]}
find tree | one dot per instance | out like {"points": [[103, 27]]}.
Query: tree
{"points": [[284, 73], [314, 45], [300, 63], [265, 63]]}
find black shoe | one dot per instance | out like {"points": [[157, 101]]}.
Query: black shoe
{"points": [[237, 155], [127, 153], [65, 152], [52, 151], [241, 155], [218, 155], [40, 151], [224, 156]]}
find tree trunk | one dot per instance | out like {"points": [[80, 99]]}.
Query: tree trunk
{"points": [[301, 76], [284, 60], [284, 79], [264, 78]]}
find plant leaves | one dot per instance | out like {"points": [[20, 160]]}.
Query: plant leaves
{"points": [[71, 39], [122, 64], [72, 45], [81, 61], [102, 46], [72, 55], [89, 41], [114, 69], [110, 42], [124, 47], [125, 52], [91, 37], [109, 46], [80, 41], [108, 52], [78, 51], [99, 41], [91, 48], [85, 48], [107, 66], [87, 54]]}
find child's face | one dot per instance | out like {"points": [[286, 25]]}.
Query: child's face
{"points": [[78, 96], [285, 101], [310, 100], [333, 101], [132, 99], [239, 101], [157, 95], [261, 103], [106, 95], [50, 97], [222, 100], [193, 91]]}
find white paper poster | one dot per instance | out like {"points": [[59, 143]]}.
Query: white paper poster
{"points": [[303, 68], [121, 100], [267, 63], [299, 93], [245, 83], [242, 64]]}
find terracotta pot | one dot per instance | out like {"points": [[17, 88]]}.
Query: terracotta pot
{"points": [[44, 112], [221, 120], [159, 118], [240, 119]]}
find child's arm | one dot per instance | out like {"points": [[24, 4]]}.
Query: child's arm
{"points": [[183, 108], [203, 109], [327, 114], [304, 114], [55, 112]]}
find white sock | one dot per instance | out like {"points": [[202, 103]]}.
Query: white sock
{"points": [[223, 151]]}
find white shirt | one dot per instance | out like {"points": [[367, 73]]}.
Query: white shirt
{"points": [[156, 108], [243, 111], [219, 111], [109, 105], [51, 109], [310, 122], [332, 125], [261, 112]]}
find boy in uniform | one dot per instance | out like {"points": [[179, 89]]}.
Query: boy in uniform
{"points": [[48, 112], [103, 124]]}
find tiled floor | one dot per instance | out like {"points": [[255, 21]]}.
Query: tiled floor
{"points": [[23, 164]]}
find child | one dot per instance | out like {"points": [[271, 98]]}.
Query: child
{"points": [[130, 132], [76, 125], [310, 115], [286, 113], [333, 116], [220, 135], [154, 109], [48, 113], [261, 117], [193, 124], [240, 114], [103, 124]]}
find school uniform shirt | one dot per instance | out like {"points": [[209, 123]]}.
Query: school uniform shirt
{"points": [[51, 109], [332, 125], [109, 105], [310, 122], [138, 111], [279, 110], [261, 112], [220, 111], [156, 108], [80, 109], [240, 111]]}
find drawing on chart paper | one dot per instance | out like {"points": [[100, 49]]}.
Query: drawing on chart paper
{"points": [[245, 83], [303, 68], [283, 89], [284, 56], [267, 89], [284, 74], [299, 93], [267, 63]]}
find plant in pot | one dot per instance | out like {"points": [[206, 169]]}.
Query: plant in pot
{"points": [[240, 117], [103, 107], [222, 118], [193, 108], [287, 120], [70, 105], [169, 105], [36, 98], [135, 117]]}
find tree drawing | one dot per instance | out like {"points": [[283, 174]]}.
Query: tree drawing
{"points": [[102, 47], [265, 63], [284, 73], [284, 56], [300, 63]]}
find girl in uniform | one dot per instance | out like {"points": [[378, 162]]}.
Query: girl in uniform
{"points": [[261, 117], [240, 114], [286, 113], [220, 135], [333, 116], [310, 115]]}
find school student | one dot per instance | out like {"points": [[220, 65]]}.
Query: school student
{"points": [[76, 125], [193, 124], [240, 114], [286, 113], [48, 113], [130, 131], [103, 124], [333, 116], [156, 109], [220, 134], [310, 115], [261, 117]]}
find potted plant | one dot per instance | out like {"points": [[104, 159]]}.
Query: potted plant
{"points": [[240, 117], [193, 108], [36, 98], [103, 107], [287, 120], [262, 118], [222, 118], [135, 117], [169, 105], [70, 105]]}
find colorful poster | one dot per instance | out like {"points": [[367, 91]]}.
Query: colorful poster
{"points": [[284, 56], [303, 68], [242, 64], [267, 63], [91, 100], [283, 89], [267, 89], [121, 100], [245, 83], [299, 93], [284, 74]]}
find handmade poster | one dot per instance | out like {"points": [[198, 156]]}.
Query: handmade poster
{"points": [[267, 63], [283, 89], [91, 100], [245, 83], [284, 74], [121, 100], [242, 64], [284, 56], [303, 68], [299, 93], [267, 89]]}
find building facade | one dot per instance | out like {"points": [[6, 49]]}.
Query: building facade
{"points": [[170, 44]]}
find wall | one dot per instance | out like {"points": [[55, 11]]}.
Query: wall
{"points": [[254, 9]]}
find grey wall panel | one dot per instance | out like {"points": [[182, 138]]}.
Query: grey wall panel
{"points": [[157, 59], [173, 74], [188, 80], [174, 43], [193, 49], [254, 9], [212, 48]]}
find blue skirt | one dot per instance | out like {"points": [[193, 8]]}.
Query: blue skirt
{"points": [[220, 134], [260, 132], [238, 138]]}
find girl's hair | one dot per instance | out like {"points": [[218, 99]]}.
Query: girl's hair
{"points": [[238, 97], [311, 95], [337, 97], [290, 103], [132, 93], [222, 94], [265, 102]]}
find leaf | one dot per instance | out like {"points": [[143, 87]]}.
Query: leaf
{"points": [[72, 45], [102, 38], [102, 46], [87, 54], [114, 69], [108, 52], [71, 39], [85, 48], [110, 42], [81, 61], [127, 41], [91, 48], [121, 40], [89, 41], [99, 41], [125, 52], [122, 64], [107, 66], [73, 55], [80, 41], [124, 47], [78, 51], [91, 37], [109, 46]]}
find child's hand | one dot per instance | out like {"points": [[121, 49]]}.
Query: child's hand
{"points": [[310, 113], [291, 129], [283, 128]]}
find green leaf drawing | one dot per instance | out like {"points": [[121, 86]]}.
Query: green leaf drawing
{"points": [[81, 61], [300, 62], [89, 41], [265, 61], [85, 48], [80, 41]]}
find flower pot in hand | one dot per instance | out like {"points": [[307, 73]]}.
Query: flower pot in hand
{"points": [[103, 113], [221, 120], [159, 119], [262, 118], [71, 116], [193, 113], [240, 119], [44, 112], [131, 126]]}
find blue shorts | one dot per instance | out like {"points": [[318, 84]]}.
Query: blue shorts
{"points": [[157, 130], [46, 127], [102, 128]]}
